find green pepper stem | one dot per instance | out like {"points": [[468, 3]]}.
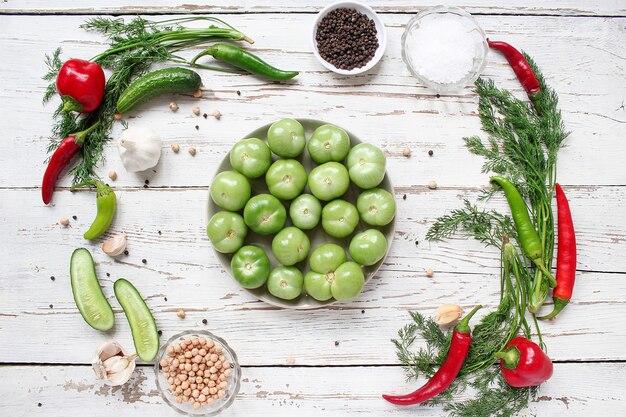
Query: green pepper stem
{"points": [[81, 136], [510, 357], [463, 326], [102, 188], [70, 105]]}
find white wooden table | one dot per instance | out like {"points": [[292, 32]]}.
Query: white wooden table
{"points": [[334, 361]]}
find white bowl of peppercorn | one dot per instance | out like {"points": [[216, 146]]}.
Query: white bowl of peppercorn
{"points": [[348, 37]]}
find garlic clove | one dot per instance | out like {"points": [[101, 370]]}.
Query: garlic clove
{"points": [[115, 246], [448, 313], [112, 365]]}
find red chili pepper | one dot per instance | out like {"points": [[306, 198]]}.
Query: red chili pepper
{"points": [[524, 364], [81, 85], [59, 160], [520, 66], [459, 346], [566, 257]]}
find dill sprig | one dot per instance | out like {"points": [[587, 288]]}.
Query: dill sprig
{"points": [[522, 144], [134, 47]]}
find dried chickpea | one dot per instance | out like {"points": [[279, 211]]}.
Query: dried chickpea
{"points": [[221, 393], [197, 405]]}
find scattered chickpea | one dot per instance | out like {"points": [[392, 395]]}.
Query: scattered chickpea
{"points": [[406, 152], [175, 147], [290, 361], [196, 111], [432, 185], [181, 314], [197, 93], [64, 221], [429, 272], [217, 114], [192, 151], [173, 106], [118, 116]]}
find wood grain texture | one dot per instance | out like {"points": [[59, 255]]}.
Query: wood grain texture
{"points": [[342, 354], [558, 8], [386, 107], [182, 272], [285, 392]]}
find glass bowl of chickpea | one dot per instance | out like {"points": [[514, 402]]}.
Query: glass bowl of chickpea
{"points": [[197, 373]]}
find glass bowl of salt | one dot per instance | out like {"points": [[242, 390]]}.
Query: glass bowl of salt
{"points": [[445, 48]]}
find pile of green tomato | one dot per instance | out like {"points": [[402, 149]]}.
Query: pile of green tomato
{"points": [[331, 274]]}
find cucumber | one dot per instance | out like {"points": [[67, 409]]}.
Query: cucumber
{"points": [[88, 295], [142, 325], [153, 84]]}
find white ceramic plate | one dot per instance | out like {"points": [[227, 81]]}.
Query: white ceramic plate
{"points": [[317, 235]]}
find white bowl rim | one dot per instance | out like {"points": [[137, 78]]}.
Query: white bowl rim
{"points": [[382, 36]]}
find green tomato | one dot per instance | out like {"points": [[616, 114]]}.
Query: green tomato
{"points": [[286, 138], [329, 143], [368, 247], [339, 218], [326, 258], [230, 190], [291, 246], [366, 165], [286, 179], [265, 214], [345, 283], [285, 282], [348, 282], [227, 231], [251, 157], [329, 181], [305, 212], [250, 267], [377, 207]]}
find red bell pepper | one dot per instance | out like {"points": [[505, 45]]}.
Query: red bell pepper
{"points": [[524, 364], [59, 160], [81, 85]]}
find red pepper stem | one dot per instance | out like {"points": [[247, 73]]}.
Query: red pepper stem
{"points": [[559, 305], [463, 326], [70, 105], [510, 357], [80, 136]]}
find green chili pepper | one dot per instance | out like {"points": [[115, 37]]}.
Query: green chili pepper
{"points": [[244, 60], [106, 204], [528, 236]]}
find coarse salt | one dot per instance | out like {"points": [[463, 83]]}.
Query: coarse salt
{"points": [[443, 46]]}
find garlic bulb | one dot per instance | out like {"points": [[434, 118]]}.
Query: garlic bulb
{"points": [[112, 365], [140, 148], [115, 246]]}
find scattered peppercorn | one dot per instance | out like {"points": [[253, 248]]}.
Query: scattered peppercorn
{"points": [[204, 321], [346, 38], [159, 233], [205, 115], [143, 261], [336, 342], [108, 275], [197, 127], [39, 404], [404, 197], [430, 153], [52, 278], [126, 252], [362, 311], [438, 96], [51, 306], [417, 242], [238, 92], [146, 182], [145, 186], [159, 332], [165, 298], [74, 217]]}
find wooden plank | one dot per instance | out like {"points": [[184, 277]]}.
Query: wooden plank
{"points": [[181, 272], [560, 7], [386, 107], [574, 390]]}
